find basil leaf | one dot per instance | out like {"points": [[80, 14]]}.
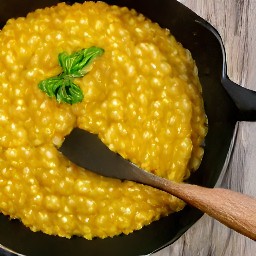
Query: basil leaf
{"points": [[69, 92], [51, 85], [74, 65]]}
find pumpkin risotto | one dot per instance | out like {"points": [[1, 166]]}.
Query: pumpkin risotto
{"points": [[142, 96]]}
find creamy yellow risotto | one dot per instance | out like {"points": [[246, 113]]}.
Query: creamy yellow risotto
{"points": [[142, 96]]}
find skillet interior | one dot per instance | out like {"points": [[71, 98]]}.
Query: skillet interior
{"points": [[221, 112]]}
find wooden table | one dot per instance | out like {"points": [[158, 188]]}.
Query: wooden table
{"points": [[236, 22]]}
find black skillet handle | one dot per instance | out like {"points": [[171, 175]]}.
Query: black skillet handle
{"points": [[244, 99]]}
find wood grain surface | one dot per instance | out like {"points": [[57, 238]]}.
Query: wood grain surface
{"points": [[236, 22]]}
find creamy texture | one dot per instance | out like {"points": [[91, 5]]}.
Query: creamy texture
{"points": [[142, 96]]}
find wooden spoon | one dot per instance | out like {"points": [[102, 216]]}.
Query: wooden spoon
{"points": [[233, 209]]}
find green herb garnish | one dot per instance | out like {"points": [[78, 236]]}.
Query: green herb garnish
{"points": [[74, 65]]}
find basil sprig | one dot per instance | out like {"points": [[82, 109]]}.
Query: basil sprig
{"points": [[74, 65]]}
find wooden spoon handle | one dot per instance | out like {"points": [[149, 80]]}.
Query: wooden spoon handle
{"points": [[233, 209]]}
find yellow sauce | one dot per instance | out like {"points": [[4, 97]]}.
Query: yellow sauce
{"points": [[142, 96]]}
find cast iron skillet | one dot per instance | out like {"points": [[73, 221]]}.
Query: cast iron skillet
{"points": [[225, 104]]}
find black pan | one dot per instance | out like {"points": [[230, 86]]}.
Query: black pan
{"points": [[225, 104]]}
